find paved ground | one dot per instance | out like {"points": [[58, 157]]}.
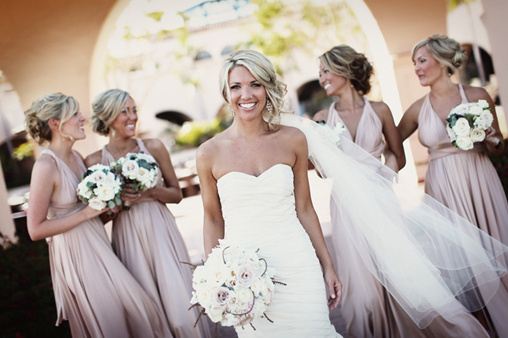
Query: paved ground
{"points": [[189, 217]]}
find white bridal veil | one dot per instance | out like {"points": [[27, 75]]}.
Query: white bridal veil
{"points": [[423, 253]]}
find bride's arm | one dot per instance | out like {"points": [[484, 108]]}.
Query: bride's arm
{"points": [[308, 217], [213, 223]]}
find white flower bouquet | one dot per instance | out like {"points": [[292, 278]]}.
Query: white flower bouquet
{"points": [[467, 123], [234, 286], [100, 188], [141, 170]]}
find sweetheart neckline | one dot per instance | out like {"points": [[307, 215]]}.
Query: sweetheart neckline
{"points": [[253, 176]]}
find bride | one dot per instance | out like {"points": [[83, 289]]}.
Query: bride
{"points": [[255, 192]]}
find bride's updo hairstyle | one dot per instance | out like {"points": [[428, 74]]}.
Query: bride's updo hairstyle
{"points": [[343, 60], [445, 50], [264, 72], [51, 106], [106, 108]]}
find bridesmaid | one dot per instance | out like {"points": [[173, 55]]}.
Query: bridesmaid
{"points": [[464, 181], [345, 73], [93, 290], [146, 238], [370, 311]]}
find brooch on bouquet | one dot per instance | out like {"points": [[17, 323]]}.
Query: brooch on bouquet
{"points": [[466, 124], [141, 170], [100, 188], [234, 286]]}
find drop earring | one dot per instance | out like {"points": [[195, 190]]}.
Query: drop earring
{"points": [[269, 107], [231, 111]]}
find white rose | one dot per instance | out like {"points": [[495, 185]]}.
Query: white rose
{"points": [[451, 133], [130, 169], [83, 190], [464, 142], [98, 176], [476, 110], [483, 103], [105, 192], [145, 177], [461, 127], [96, 203], [477, 135], [220, 297], [484, 121]]}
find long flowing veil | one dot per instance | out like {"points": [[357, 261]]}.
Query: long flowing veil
{"points": [[423, 253]]}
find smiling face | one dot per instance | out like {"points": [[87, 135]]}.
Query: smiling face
{"points": [[332, 83], [74, 127], [125, 122], [427, 68], [247, 95]]}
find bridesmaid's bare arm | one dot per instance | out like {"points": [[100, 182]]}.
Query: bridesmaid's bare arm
{"points": [[44, 185]]}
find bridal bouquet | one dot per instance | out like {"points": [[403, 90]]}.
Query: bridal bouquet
{"points": [[466, 124], [234, 286], [140, 170], [100, 187]]}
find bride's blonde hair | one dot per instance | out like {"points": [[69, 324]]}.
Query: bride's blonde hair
{"points": [[262, 69]]}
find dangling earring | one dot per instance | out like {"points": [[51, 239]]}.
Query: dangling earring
{"points": [[231, 111], [269, 107]]}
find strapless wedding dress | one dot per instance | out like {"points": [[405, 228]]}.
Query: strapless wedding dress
{"points": [[259, 213]]}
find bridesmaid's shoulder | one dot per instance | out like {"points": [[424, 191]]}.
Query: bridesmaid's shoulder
{"points": [[154, 144], [415, 107], [381, 108], [321, 115], [93, 158], [475, 93], [45, 166]]}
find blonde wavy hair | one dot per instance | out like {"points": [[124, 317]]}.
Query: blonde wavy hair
{"points": [[445, 50], [51, 106], [106, 108], [262, 69]]}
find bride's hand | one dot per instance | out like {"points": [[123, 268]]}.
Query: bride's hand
{"points": [[334, 288]]}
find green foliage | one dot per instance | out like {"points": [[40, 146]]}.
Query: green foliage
{"points": [[452, 4], [193, 133], [156, 16], [24, 150], [27, 303]]}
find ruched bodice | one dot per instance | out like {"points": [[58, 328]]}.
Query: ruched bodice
{"points": [[259, 213], [432, 132], [67, 201], [369, 134]]}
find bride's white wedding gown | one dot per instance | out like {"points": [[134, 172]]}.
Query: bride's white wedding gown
{"points": [[259, 213]]}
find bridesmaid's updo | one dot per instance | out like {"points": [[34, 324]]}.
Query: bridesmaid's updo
{"points": [[106, 108], [51, 106], [445, 50], [344, 61], [262, 69]]}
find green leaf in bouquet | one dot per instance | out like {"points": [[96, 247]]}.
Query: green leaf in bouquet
{"points": [[111, 204], [118, 201]]}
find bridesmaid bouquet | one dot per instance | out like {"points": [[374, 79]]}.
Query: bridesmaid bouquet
{"points": [[140, 170], [234, 286], [100, 187], [466, 124], [333, 134]]}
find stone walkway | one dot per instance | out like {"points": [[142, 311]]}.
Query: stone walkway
{"points": [[189, 217]]}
